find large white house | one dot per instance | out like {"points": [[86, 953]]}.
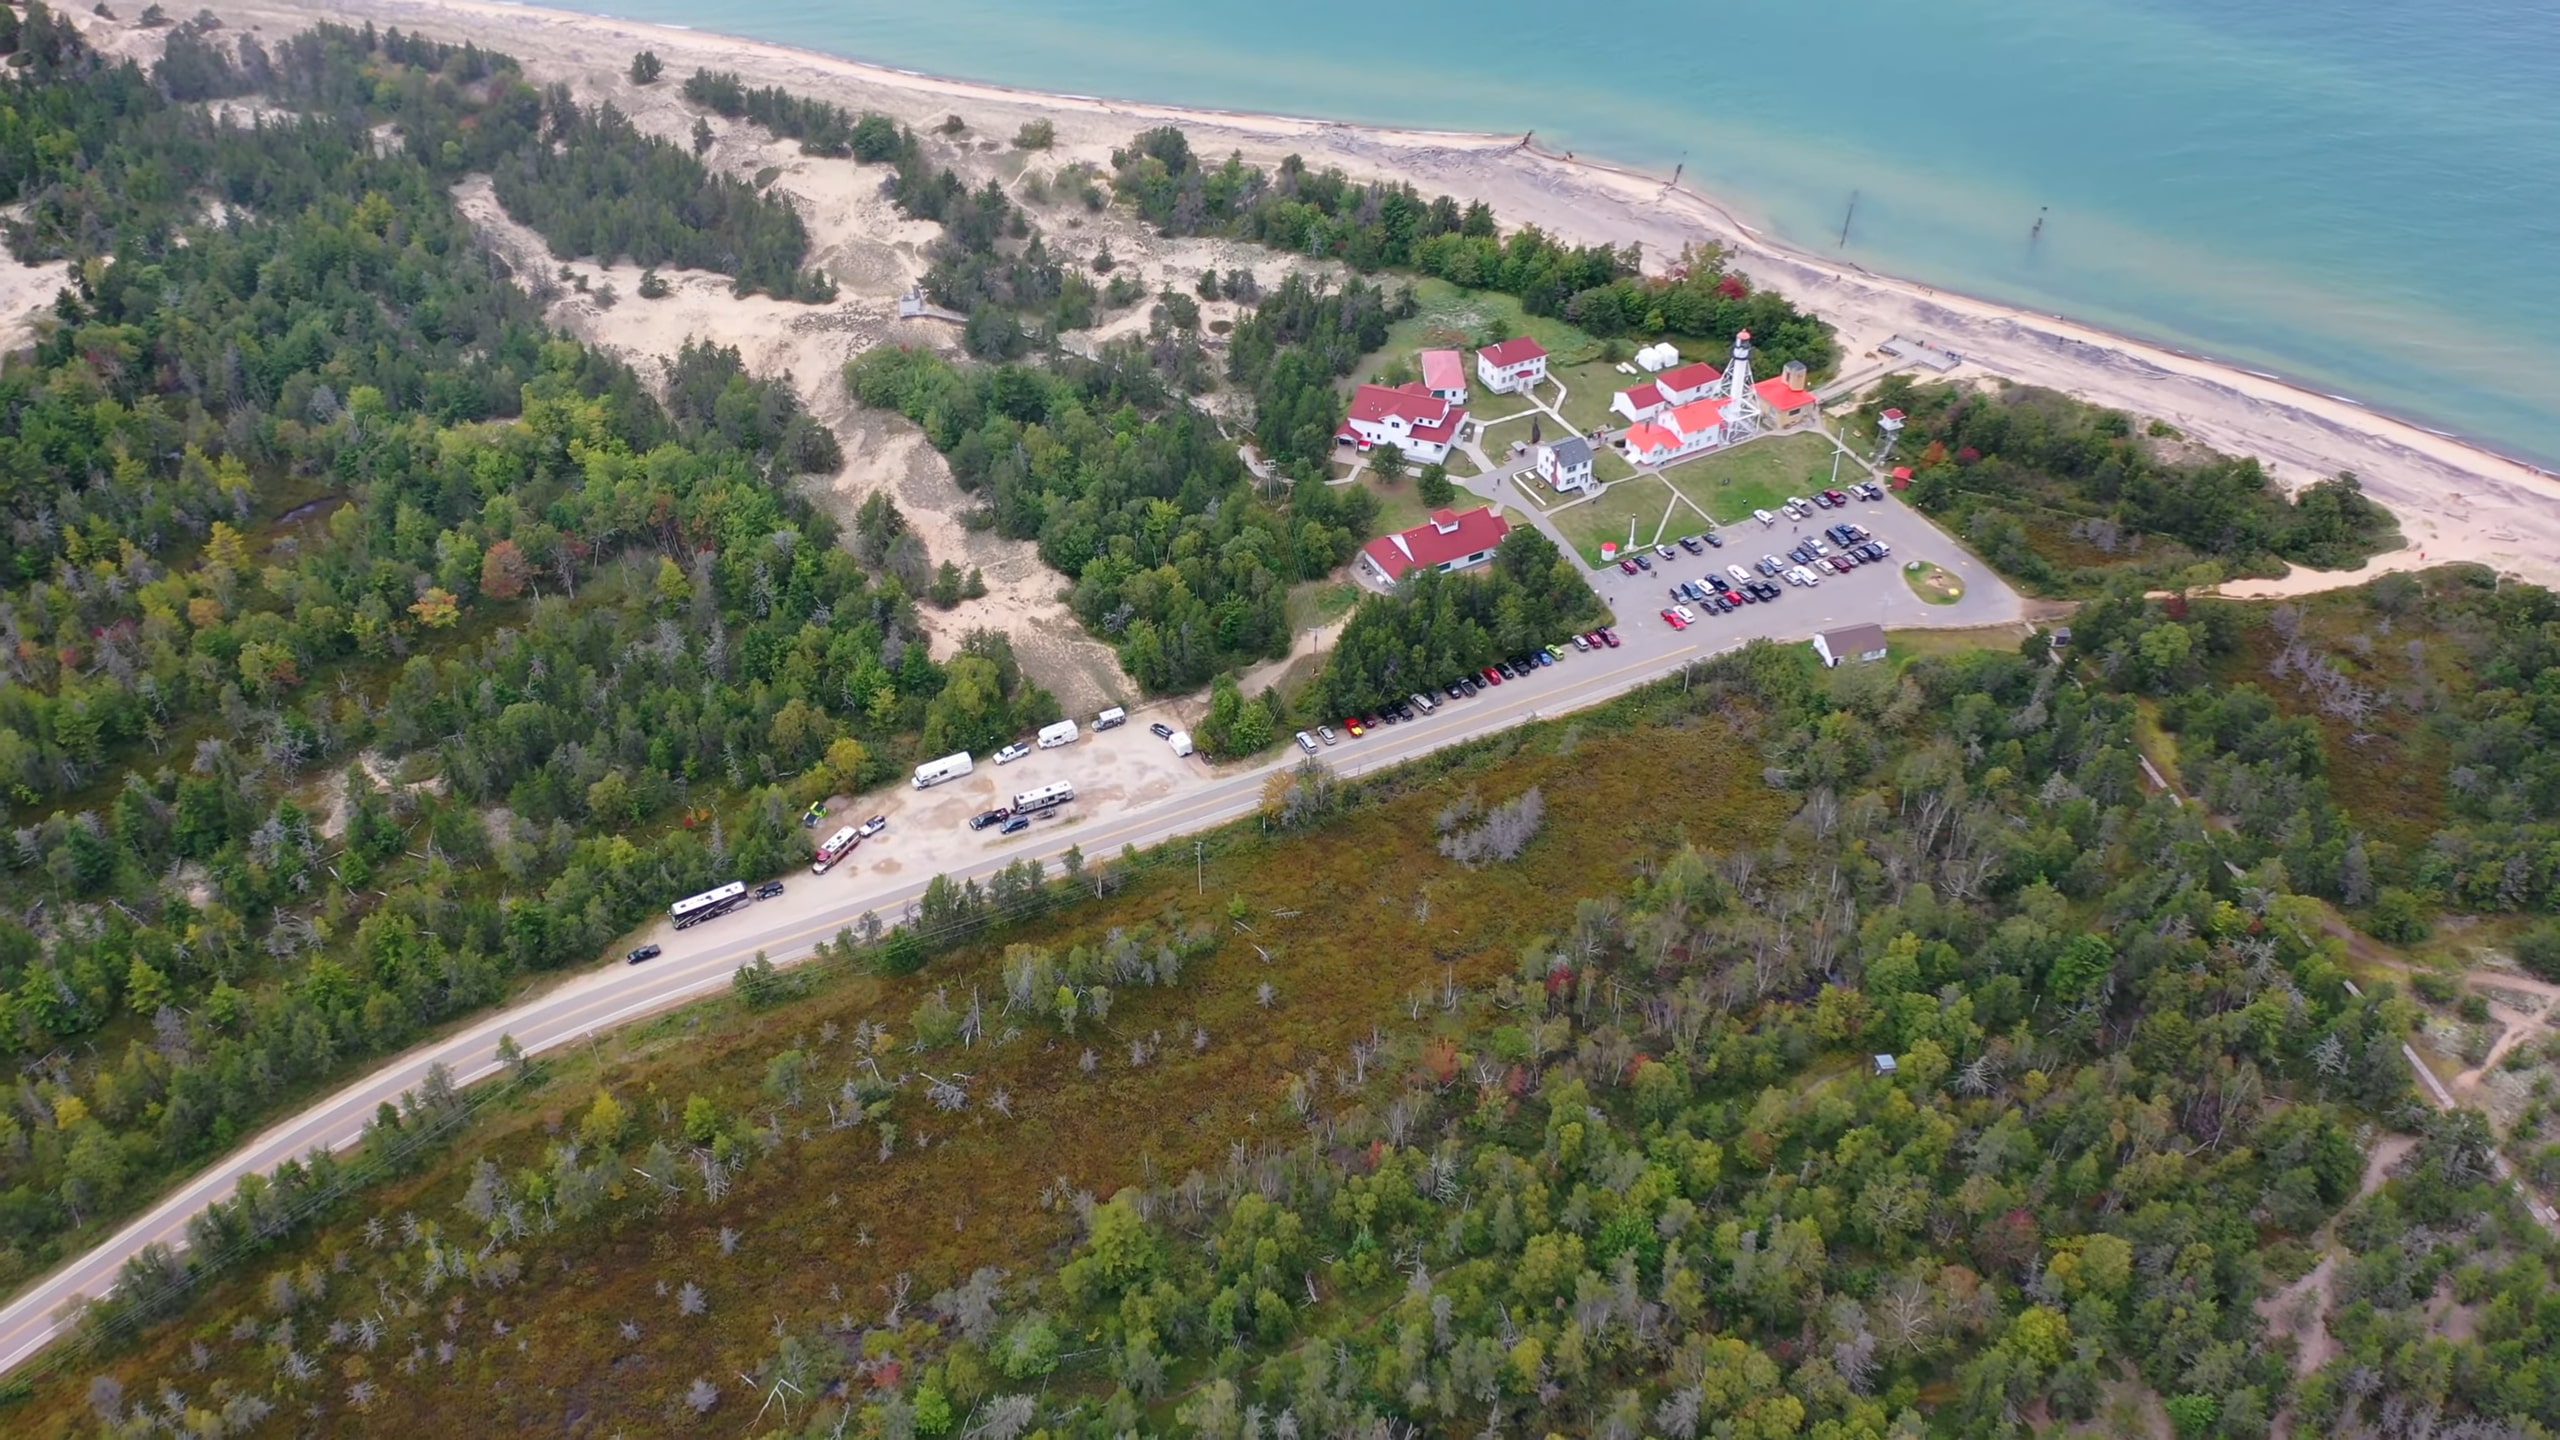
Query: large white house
{"points": [[1407, 416], [1448, 542], [1696, 426], [1667, 391], [1566, 464], [1858, 642], [1511, 366]]}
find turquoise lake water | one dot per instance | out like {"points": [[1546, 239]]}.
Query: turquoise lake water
{"points": [[2361, 196]]}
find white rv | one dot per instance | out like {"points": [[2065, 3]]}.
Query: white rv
{"points": [[1111, 719], [1180, 740], [1062, 733], [949, 767]]}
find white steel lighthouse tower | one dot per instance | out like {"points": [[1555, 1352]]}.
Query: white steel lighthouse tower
{"points": [[1744, 416]]}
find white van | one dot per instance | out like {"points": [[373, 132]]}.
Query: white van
{"points": [[949, 767], [1111, 719], [1062, 733]]}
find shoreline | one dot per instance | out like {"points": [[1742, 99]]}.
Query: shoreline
{"points": [[2457, 497]]}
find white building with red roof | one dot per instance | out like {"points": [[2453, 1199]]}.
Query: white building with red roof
{"points": [[1407, 416], [1444, 373], [1513, 365], [1640, 404], [1693, 381], [1677, 433], [1447, 542], [1667, 391]]}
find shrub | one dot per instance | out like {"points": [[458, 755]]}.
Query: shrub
{"points": [[1035, 135]]}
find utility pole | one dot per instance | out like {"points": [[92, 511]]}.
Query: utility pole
{"points": [[1835, 464], [1200, 863]]}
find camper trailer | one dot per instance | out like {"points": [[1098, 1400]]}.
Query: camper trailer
{"points": [[949, 767], [1062, 733]]}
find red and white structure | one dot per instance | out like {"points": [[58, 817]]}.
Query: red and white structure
{"points": [[1444, 373], [1667, 391], [1407, 416], [1677, 434], [1742, 418], [1448, 542], [1512, 366]]}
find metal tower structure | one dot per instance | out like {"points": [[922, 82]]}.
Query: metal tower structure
{"points": [[1744, 416]]}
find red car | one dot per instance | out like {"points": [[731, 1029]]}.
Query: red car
{"points": [[1609, 638], [1492, 676], [1673, 620], [1627, 566], [1835, 497], [1352, 724]]}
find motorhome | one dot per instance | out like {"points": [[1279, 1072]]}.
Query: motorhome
{"points": [[1062, 733], [949, 767]]}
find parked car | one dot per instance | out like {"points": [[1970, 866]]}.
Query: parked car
{"points": [[1373, 721], [1325, 733], [1609, 638], [645, 952], [1503, 668], [1583, 642], [985, 818], [1643, 564], [1665, 551], [1306, 742], [1457, 690], [1771, 565], [1016, 825], [871, 827], [1403, 710], [1821, 499], [816, 812], [1690, 543], [1835, 497], [1764, 517], [1672, 618], [1882, 549], [1543, 659], [1160, 730], [769, 890], [1012, 752], [1687, 615], [1740, 575], [1627, 566], [1352, 724], [1423, 702], [1715, 539]]}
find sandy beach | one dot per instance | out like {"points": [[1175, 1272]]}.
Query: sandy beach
{"points": [[2455, 501]]}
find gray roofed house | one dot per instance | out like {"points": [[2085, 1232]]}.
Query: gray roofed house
{"points": [[1565, 464], [1855, 642]]}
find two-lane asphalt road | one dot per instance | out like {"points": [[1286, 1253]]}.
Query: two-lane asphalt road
{"points": [[701, 960]]}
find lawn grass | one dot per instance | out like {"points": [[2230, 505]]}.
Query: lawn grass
{"points": [[1588, 389], [1400, 505], [1447, 317], [1932, 584], [1642, 499], [1609, 466], [1320, 602], [1904, 646], [1755, 475], [1346, 922]]}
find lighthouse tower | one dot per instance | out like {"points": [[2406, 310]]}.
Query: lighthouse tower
{"points": [[1744, 416]]}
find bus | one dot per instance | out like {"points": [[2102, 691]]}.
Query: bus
{"points": [[692, 910], [838, 846], [1047, 797]]}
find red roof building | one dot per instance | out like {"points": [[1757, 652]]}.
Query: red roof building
{"points": [[1639, 404], [1448, 542], [1787, 405], [1696, 426], [1444, 373], [1689, 382], [1407, 416], [1515, 364]]}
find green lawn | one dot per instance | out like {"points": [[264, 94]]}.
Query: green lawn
{"points": [[1757, 475], [1609, 465], [1588, 389], [1643, 500], [1447, 317], [1400, 505], [1320, 602]]}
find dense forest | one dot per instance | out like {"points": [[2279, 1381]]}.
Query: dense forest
{"points": [[1373, 226], [1175, 558], [2060, 494], [1437, 627], [368, 646], [1617, 1162], [2390, 745]]}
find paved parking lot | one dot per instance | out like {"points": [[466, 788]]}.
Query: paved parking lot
{"points": [[1869, 594]]}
